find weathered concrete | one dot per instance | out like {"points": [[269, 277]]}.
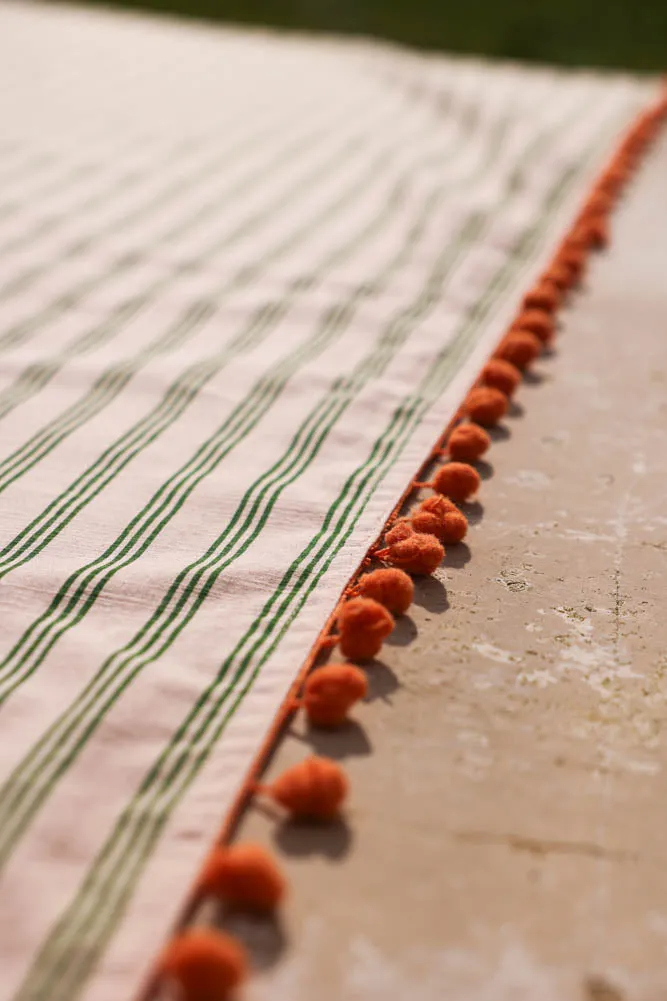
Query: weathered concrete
{"points": [[507, 832]]}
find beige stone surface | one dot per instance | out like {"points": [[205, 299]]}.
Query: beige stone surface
{"points": [[506, 837]]}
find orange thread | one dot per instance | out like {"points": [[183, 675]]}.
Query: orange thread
{"points": [[468, 442], [486, 405], [327, 643], [420, 554], [315, 789], [204, 964], [520, 348], [363, 625], [330, 692], [391, 587], [501, 375], [244, 876]]}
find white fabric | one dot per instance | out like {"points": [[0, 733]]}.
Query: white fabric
{"points": [[221, 252]]}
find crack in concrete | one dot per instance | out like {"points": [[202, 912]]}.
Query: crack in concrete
{"points": [[541, 846]]}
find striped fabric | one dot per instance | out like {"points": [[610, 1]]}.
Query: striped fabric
{"points": [[245, 281]]}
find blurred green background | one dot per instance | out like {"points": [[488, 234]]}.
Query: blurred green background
{"points": [[618, 33]]}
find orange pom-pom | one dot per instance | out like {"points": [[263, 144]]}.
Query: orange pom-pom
{"points": [[454, 529], [438, 505], [449, 525], [364, 625], [244, 876], [599, 204], [427, 523], [315, 789], [390, 586], [401, 530], [434, 509], [545, 295], [593, 233], [205, 965], [499, 374], [457, 480], [574, 259], [560, 275], [537, 322], [520, 348], [617, 173], [468, 442], [420, 554], [612, 181], [486, 405], [597, 232], [331, 691]]}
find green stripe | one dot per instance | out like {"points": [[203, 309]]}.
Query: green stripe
{"points": [[299, 455], [25, 329], [22, 331], [81, 246], [35, 377], [171, 496], [73, 177], [13, 206], [43, 529], [119, 184], [221, 441], [35, 160], [53, 967], [32, 780], [265, 392], [111, 383]]}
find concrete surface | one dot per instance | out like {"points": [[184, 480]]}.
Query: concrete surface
{"points": [[506, 838]]}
